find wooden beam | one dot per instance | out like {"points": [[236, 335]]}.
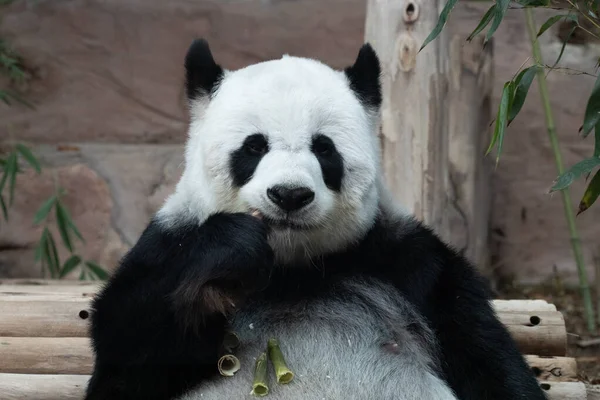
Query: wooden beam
{"points": [[414, 119], [535, 325], [40, 355], [553, 369], [72, 387]]}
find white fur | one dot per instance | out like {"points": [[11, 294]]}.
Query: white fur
{"points": [[288, 100]]}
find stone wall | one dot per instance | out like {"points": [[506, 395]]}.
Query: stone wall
{"points": [[110, 118]]}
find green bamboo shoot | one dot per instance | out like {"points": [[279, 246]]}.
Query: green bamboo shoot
{"points": [[283, 373], [260, 385]]}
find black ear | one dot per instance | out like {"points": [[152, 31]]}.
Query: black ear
{"points": [[364, 77], [202, 73]]}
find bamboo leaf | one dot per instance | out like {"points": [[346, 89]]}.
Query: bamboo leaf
{"points": [[597, 140], [441, 22], [483, 23], [40, 249], [82, 274], [11, 170], [592, 110], [44, 210], [97, 270], [583, 167], [552, 20], [74, 229], [69, 265], [28, 155], [502, 117], [3, 207], [501, 7], [523, 82], [591, 194], [63, 225], [52, 256], [562, 49]]}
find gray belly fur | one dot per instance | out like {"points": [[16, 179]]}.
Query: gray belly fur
{"points": [[337, 348]]}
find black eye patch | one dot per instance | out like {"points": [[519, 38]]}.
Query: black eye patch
{"points": [[243, 161], [331, 161]]}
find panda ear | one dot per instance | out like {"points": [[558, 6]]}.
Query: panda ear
{"points": [[364, 77], [202, 73]]}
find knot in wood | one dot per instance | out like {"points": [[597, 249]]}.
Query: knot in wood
{"points": [[411, 12], [406, 50]]}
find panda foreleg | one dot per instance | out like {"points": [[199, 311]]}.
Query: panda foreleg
{"points": [[158, 324]]}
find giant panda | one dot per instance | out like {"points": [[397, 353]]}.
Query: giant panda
{"points": [[281, 226]]}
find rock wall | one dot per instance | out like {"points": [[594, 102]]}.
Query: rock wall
{"points": [[110, 120]]}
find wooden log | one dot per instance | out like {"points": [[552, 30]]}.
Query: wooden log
{"points": [[542, 333], [42, 387], [553, 369], [470, 90], [532, 323], [72, 387], [414, 135], [565, 390], [75, 356], [25, 355], [48, 318]]}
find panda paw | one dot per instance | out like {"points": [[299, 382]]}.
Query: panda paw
{"points": [[235, 262]]}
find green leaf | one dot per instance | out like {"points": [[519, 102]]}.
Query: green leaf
{"points": [[28, 155], [502, 117], [69, 265], [8, 169], [522, 82], [562, 49], [483, 23], [62, 218], [75, 230], [441, 22], [44, 210], [592, 110], [591, 194], [597, 140], [97, 270], [583, 167], [10, 172], [501, 7], [3, 207], [40, 248], [552, 20], [52, 256], [82, 274]]}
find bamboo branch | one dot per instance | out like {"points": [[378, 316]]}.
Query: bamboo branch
{"points": [[569, 213]]}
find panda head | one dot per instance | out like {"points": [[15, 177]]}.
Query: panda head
{"points": [[290, 138]]}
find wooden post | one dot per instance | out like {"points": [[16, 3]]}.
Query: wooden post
{"points": [[414, 124]]}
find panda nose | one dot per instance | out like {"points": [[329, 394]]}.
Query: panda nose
{"points": [[290, 199]]}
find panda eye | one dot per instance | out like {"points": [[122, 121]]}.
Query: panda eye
{"points": [[256, 144], [322, 146]]}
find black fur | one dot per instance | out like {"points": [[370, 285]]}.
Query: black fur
{"points": [[153, 332], [331, 161], [243, 161], [364, 77], [202, 73], [144, 349]]}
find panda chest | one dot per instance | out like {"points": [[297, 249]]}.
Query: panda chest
{"points": [[337, 348]]}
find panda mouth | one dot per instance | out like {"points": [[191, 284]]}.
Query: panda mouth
{"points": [[279, 223]]}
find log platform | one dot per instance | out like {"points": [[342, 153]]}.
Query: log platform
{"points": [[45, 351]]}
